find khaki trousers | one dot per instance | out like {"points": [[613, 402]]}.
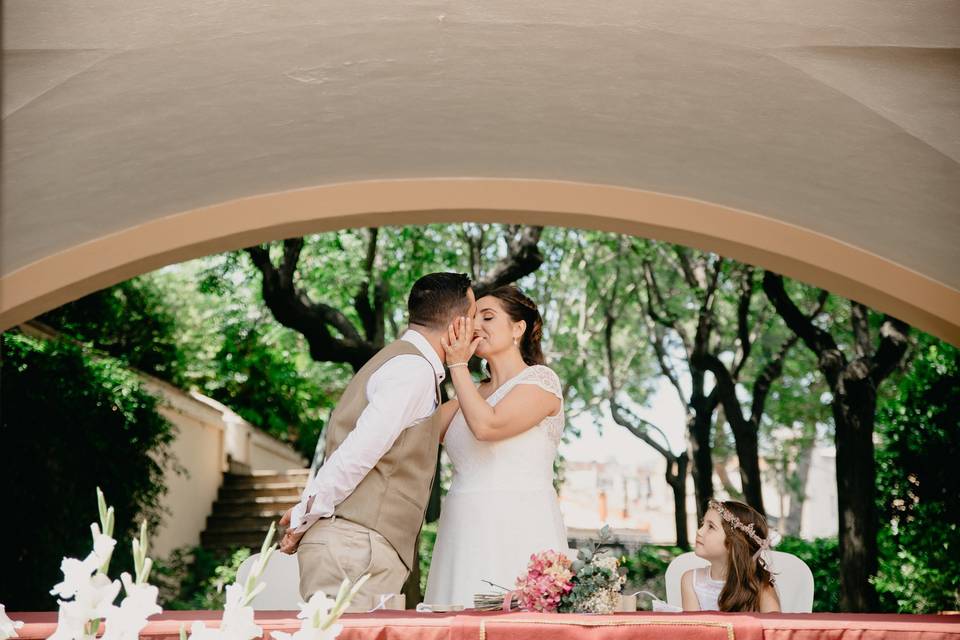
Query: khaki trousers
{"points": [[334, 549]]}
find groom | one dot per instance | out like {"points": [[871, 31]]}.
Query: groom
{"points": [[363, 510]]}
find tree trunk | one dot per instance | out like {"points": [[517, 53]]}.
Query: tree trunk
{"points": [[854, 387], [677, 479], [749, 457], [853, 413], [433, 504], [794, 520], [698, 430]]}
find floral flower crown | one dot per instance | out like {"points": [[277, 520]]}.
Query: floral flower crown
{"points": [[749, 530]]}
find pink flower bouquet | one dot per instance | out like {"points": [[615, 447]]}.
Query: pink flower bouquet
{"points": [[548, 578]]}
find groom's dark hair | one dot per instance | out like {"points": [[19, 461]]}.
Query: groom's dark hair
{"points": [[437, 298]]}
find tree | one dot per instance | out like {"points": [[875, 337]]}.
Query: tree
{"points": [[854, 382], [132, 321], [680, 287], [71, 422], [751, 328], [795, 420], [918, 488], [622, 358], [331, 334]]}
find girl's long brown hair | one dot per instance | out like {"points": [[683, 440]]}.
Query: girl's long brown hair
{"points": [[746, 577]]}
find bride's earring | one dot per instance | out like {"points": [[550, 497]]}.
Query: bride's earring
{"points": [[515, 342]]}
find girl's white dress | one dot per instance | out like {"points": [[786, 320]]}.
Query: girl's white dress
{"points": [[501, 507], [707, 589]]}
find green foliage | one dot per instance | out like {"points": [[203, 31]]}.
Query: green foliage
{"points": [[428, 537], [918, 485], [266, 385], [71, 423], [194, 578], [646, 569], [822, 555], [133, 321]]}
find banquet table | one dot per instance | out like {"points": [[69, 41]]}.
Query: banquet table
{"points": [[471, 625]]}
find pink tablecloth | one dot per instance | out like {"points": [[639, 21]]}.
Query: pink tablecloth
{"points": [[407, 625]]}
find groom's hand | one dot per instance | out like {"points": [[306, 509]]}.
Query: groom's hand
{"points": [[290, 542]]}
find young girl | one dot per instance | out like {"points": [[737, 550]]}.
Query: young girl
{"points": [[732, 537]]}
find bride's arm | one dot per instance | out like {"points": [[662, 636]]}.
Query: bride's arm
{"points": [[524, 407], [447, 410]]}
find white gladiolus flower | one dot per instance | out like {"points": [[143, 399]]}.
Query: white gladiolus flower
{"points": [[126, 621], [238, 617], [92, 600], [199, 631], [8, 627], [75, 574], [318, 608], [315, 614], [72, 623], [237, 622], [320, 614], [103, 544]]}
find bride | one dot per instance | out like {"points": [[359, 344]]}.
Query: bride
{"points": [[502, 438]]}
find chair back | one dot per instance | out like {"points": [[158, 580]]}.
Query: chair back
{"points": [[794, 579], [282, 577]]}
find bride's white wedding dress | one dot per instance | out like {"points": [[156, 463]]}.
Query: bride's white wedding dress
{"points": [[501, 506]]}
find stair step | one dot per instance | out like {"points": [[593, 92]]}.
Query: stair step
{"points": [[247, 504], [298, 476], [262, 490], [243, 523], [266, 501], [249, 511], [252, 539]]}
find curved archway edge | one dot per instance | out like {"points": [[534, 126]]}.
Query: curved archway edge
{"points": [[749, 237]]}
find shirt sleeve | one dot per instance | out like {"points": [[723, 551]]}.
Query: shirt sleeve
{"points": [[398, 394]]}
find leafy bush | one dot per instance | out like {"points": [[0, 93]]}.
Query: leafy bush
{"points": [[71, 423], [193, 578], [646, 569], [822, 555], [133, 321], [428, 537], [918, 486]]}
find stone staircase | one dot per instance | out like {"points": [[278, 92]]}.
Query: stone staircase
{"points": [[247, 504]]}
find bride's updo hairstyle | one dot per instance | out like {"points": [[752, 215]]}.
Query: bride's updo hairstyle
{"points": [[519, 307]]}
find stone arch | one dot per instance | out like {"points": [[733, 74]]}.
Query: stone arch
{"points": [[746, 236]]}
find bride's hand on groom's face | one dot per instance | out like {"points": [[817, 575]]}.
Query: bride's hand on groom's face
{"points": [[460, 344]]}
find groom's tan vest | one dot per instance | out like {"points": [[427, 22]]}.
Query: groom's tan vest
{"points": [[393, 497]]}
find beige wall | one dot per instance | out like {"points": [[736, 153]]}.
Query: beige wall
{"points": [[209, 437]]}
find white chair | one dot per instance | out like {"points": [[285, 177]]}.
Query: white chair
{"points": [[794, 580], [282, 577]]}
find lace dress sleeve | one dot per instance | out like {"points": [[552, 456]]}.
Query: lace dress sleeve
{"points": [[545, 378]]}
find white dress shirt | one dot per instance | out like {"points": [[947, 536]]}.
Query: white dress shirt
{"points": [[399, 393]]}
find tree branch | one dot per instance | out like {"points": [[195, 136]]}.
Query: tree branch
{"points": [[774, 369], [664, 318], [523, 258], [372, 314], [830, 359], [894, 340], [293, 309], [860, 319], [743, 322], [725, 390]]}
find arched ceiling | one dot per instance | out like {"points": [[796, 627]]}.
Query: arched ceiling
{"points": [[842, 119]]}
